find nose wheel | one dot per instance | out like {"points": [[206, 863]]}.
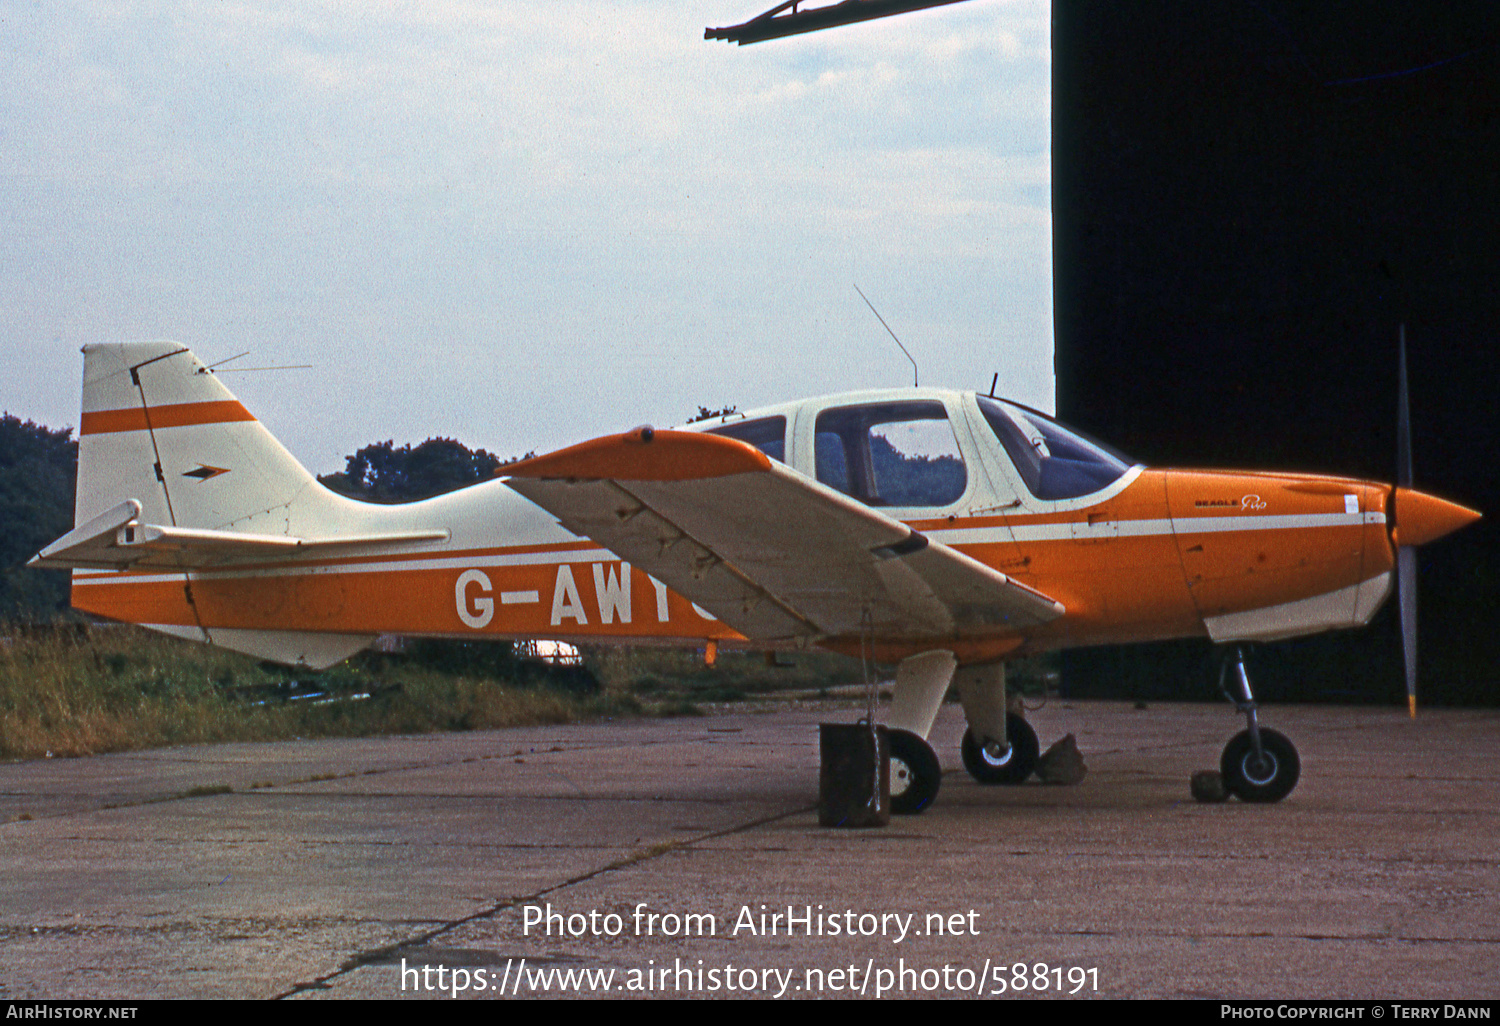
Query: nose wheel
{"points": [[1258, 765], [1265, 776]]}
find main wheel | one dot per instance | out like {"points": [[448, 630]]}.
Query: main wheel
{"points": [[1267, 779], [915, 773], [1011, 768]]}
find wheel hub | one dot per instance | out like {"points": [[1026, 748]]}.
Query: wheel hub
{"points": [[996, 754], [1261, 770], [900, 776]]}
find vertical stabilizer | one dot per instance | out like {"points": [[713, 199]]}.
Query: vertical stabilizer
{"points": [[158, 427], [162, 443]]}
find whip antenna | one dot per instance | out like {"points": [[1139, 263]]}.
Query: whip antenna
{"points": [[213, 368], [887, 327]]}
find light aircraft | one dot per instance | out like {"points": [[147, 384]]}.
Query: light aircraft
{"points": [[943, 531]]}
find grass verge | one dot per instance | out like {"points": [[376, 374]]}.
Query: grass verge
{"points": [[73, 689], [78, 690]]}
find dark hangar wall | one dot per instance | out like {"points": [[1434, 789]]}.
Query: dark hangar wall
{"points": [[1250, 196]]}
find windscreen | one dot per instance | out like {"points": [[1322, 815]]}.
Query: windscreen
{"points": [[1055, 462]]}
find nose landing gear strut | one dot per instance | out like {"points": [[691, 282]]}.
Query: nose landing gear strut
{"points": [[1258, 764]]}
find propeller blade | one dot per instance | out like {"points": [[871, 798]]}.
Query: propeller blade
{"points": [[1406, 591], [1406, 555], [1403, 421], [1415, 519]]}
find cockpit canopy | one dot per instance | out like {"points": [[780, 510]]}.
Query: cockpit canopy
{"points": [[909, 451]]}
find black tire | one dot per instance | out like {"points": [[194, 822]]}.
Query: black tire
{"points": [[915, 773], [1269, 782], [1015, 766]]}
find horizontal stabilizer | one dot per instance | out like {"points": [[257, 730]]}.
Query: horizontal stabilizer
{"points": [[89, 545], [116, 541]]}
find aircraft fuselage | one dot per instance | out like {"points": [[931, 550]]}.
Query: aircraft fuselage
{"points": [[1153, 554]]}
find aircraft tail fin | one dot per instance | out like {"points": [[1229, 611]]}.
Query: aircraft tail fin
{"points": [[158, 427], [174, 474]]}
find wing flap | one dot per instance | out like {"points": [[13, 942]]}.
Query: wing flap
{"points": [[772, 553]]}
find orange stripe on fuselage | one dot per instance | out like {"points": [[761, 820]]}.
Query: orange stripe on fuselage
{"points": [[527, 600], [223, 411]]}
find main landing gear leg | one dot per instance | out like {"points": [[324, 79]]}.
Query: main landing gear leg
{"points": [[997, 748], [921, 682], [1258, 765]]}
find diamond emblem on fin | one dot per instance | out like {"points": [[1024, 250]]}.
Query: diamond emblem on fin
{"points": [[204, 472]]}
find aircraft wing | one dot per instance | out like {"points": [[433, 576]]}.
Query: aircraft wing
{"points": [[116, 540], [770, 552]]}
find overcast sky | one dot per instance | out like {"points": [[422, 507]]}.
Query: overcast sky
{"points": [[521, 224]]}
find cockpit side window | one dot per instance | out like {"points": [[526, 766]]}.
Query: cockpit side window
{"points": [[768, 434], [1054, 461], [890, 454]]}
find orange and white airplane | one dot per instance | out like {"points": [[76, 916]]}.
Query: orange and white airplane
{"points": [[943, 531]]}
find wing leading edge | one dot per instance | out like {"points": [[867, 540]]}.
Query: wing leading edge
{"points": [[770, 552]]}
